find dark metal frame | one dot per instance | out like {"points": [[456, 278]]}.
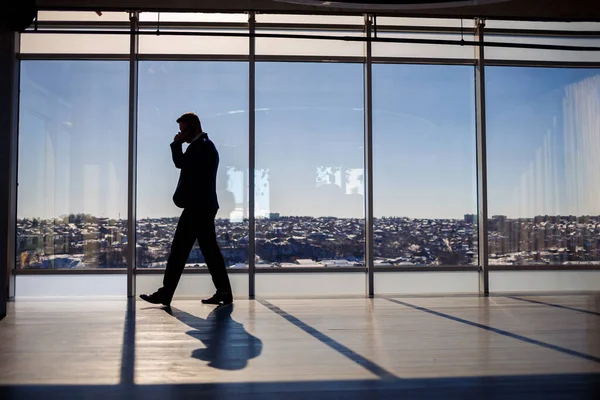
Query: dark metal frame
{"points": [[368, 156], [324, 37], [11, 245], [7, 164], [327, 12], [482, 201], [252, 158], [132, 158]]}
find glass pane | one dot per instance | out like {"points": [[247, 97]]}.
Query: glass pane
{"points": [[541, 25], [192, 17], [418, 50], [501, 53], [169, 44], [218, 93], [84, 16], [309, 47], [72, 199], [424, 155], [543, 167], [309, 160], [45, 43], [310, 19], [429, 22]]}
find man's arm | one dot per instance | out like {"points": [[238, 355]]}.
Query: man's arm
{"points": [[179, 158]]}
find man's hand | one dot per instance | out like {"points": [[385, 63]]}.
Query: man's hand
{"points": [[178, 138]]}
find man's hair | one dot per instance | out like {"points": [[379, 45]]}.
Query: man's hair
{"points": [[191, 119]]}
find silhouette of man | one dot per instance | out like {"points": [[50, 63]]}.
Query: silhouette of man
{"points": [[196, 194]]}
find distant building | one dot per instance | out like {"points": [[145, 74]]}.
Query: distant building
{"points": [[470, 218]]}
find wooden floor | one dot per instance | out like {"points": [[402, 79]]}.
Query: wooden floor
{"points": [[512, 347]]}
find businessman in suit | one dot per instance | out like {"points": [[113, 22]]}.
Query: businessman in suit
{"points": [[196, 194]]}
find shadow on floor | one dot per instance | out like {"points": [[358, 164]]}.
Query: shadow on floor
{"points": [[556, 305], [228, 346], [502, 332], [529, 387], [128, 352], [335, 345]]}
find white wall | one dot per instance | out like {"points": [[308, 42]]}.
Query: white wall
{"points": [[267, 284], [312, 284], [198, 285], [70, 285], [426, 282], [291, 284], [544, 281]]}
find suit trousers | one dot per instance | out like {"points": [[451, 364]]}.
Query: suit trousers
{"points": [[195, 225]]}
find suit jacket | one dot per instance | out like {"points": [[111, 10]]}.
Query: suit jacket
{"points": [[197, 186]]}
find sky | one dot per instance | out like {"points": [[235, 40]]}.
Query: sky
{"points": [[543, 134]]}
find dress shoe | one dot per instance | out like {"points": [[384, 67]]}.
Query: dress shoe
{"points": [[156, 298], [219, 298]]}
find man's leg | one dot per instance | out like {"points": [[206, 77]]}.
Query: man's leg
{"points": [[183, 241], [207, 240]]}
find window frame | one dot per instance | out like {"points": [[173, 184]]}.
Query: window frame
{"points": [[250, 29]]}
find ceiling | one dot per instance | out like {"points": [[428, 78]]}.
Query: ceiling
{"points": [[561, 10]]}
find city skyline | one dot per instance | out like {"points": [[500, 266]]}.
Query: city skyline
{"points": [[79, 241], [309, 137]]}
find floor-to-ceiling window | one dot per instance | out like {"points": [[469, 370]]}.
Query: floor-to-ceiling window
{"points": [[424, 175], [309, 132], [544, 173], [309, 168], [309, 176], [72, 193], [184, 71], [218, 93], [424, 158], [543, 137]]}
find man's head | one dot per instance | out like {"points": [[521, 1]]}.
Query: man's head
{"points": [[189, 126]]}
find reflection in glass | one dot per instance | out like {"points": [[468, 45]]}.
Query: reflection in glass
{"points": [[544, 172], [309, 159], [424, 177], [72, 198], [218, 93]]}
